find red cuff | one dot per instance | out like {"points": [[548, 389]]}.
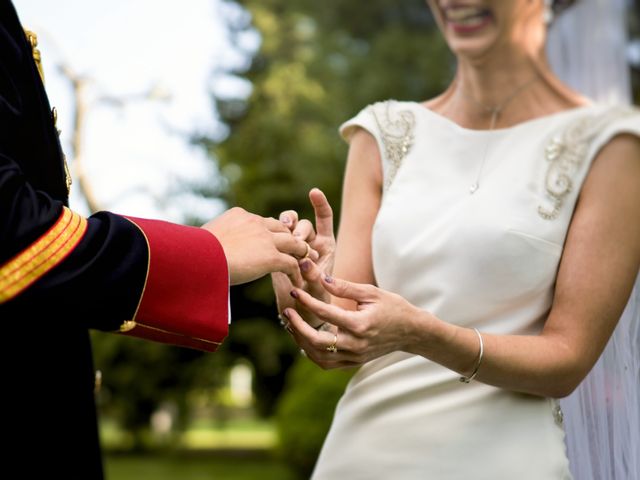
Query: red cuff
{"points": [[186, 297]]}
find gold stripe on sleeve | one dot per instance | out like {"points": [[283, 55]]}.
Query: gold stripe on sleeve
{"points": [[41, 256]]}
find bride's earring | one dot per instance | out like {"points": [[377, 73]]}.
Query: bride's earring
{"points": [[547, 12]]}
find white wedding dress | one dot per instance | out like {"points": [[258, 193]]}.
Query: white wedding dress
{"points": [[486, 260]]}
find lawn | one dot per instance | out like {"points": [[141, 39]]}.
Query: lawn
{"points": [[247, 434], [195, 466], [236, 450]]}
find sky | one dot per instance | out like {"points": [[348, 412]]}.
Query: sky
{"points": [[137, 155]]}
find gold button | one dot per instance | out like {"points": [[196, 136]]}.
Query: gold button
{"points": [[127, 325], [67, 174]]}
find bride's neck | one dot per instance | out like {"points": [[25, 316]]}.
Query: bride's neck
{"points": [[491, 83], [517, 88]]}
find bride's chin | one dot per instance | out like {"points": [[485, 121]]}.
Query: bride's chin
{"points": [[471, 49]]}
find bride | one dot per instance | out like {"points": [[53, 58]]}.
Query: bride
{"points": [[499, 223]]}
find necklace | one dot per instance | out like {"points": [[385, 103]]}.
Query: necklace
{"points": [[495, 112]]}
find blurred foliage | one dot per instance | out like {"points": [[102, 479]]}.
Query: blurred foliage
{"points": [[138, 376], [305, 411], [317, 65]]}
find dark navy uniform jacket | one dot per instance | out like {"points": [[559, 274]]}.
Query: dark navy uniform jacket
{"points": [[62, 274]]}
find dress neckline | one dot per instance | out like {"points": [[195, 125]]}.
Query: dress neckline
{"points": [[474, 131]]}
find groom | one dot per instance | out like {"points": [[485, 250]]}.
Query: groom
{"points": [[62, 274]]}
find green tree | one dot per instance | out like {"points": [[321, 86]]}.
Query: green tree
{"points": [[304, 413], [318, 64], [138, 376]]}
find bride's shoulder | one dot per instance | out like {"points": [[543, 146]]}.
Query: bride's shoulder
{"points": [[379, 116], [598, 120], [388, 105]]}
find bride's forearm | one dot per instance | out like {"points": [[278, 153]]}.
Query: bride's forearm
{"points": [[536, 364]]}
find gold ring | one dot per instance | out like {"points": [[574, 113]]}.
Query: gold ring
{"points": [[306, 255], [332, 348]]}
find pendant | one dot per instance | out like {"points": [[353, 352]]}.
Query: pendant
{"points": [[473, 188]]}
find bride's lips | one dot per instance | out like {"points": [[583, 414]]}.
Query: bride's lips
{"points": [[467, 19]]}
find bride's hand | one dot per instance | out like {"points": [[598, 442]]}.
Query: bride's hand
{"points": [[322, 244], [321, 239], [383, 322]]}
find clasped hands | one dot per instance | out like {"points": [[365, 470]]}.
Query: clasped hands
{"points": [[338, 323], [335, 322]]}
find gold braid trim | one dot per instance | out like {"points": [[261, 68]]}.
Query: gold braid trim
{"points": [[41, 256], [129, 325], [32, 38]]}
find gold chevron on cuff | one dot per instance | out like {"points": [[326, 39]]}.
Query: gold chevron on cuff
{"points": [[41, 256]]}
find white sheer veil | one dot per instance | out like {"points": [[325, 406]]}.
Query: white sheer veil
{"points": [[586, 48]]}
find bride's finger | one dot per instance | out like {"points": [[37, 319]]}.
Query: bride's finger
{"points": [[304, 230], [313, 275], [289, 219], [281, 286], [331, 345], [323, 211], [345, 319]]}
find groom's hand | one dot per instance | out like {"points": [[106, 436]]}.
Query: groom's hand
{"points": [[255, 246]]}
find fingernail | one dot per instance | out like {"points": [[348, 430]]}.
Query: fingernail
{"points": [[286, 219], [294, 294], [328, 278], [305, 266], [285, 313]]}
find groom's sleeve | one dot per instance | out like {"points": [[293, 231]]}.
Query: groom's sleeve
{"points": [[185, 299], [143, 278]]}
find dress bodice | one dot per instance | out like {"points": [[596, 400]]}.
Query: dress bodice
{"points": [[486, 259]]}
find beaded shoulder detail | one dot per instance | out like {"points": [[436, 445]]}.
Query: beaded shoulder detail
{"points": [[397, 134], [567, 152]]}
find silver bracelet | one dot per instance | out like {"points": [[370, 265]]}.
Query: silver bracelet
{"points": [[478, 362]]}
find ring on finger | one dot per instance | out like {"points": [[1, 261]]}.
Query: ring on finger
{"points": [[333, 348], [306, 255]]}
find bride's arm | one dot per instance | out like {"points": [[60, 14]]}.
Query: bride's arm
{"points": [[597, 272], [361, 194]]}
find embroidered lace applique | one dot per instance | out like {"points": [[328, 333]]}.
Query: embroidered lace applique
{"points": [[397, 134], [567, 152]]}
